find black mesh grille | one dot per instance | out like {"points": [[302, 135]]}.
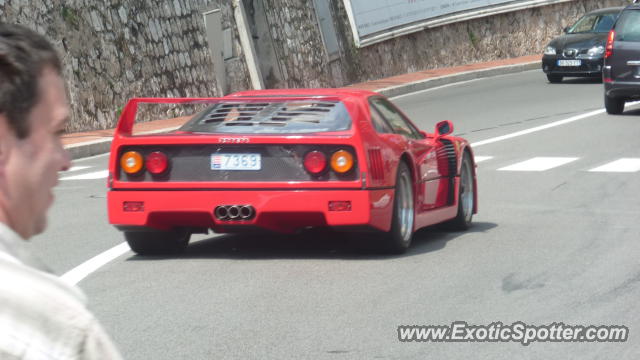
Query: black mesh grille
{"points": [[232, 112], [295, 116], [448, 151]]}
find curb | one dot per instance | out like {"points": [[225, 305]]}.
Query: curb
{"points": [[98, 147], [431, 83], [92, 148]]}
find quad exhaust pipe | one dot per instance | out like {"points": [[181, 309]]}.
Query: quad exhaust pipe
{"points": [[234, 212]]}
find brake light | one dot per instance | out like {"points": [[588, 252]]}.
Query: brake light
{"points": [[608, 51], [341, 161], [315, 162], [131, 162], [157, 163]]}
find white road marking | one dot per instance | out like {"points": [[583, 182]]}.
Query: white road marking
{"points": [[546, 126], [77, 168], [538, 128], [83, 270], [621, 165], [482, 158], [102, 174], [539, 164]]}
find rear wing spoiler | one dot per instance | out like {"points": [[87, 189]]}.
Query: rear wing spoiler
{"points": [[130, 111], [128, 115]]}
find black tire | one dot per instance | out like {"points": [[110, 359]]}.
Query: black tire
{"points": [[554, 79], [398, 239], [466, 198], [156, 242], [614, 106]]}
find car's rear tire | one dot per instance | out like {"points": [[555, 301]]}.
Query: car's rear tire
{"points": [[466, 197], [398, 239], [156, 242], [554, 79], [614, 106]]}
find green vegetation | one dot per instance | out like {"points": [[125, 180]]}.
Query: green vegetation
{"points": [[472, 38], [118, 112], [71, 17]]}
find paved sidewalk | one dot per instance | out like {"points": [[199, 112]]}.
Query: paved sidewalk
{"points": [[90, 143]]}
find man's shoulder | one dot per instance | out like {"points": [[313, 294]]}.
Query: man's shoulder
{"points": [[34, 303], [39, 311], [43, 317]]}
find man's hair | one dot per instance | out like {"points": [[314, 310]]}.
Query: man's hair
{"points": [[24, 54]]}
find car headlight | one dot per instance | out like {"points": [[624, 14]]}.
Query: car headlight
{"points": [[550, 50], [596, 51]]}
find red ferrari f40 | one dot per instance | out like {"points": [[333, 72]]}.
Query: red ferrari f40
{"points": [[284, 161]]}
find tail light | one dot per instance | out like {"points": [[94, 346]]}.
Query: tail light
{"points": [[341, 161], [315, 162], [608, 50], [131, 162], [157, 163]]}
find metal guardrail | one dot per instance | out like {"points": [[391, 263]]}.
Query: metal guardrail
{"points": [[442, 20]]}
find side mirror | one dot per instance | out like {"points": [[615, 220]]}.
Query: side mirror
{"points": [[566, 30], [444, 128]]}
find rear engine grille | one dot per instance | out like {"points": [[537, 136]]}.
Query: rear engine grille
{"points": [[246, 114]]}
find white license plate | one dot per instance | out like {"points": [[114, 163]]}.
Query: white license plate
{"points": [[236, 161], [569, 62]]}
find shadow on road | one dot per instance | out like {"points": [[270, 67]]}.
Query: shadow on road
{"points": [[312, 245], [580, 80], [631, 112]]}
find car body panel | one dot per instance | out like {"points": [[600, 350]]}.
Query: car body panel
{"points": [[283, 204], [622, 67]]}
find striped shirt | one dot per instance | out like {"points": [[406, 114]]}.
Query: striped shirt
{"points": [[41, 317]]}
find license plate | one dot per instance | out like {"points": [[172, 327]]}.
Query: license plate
{"points": [[236, 162], [569, 62]]}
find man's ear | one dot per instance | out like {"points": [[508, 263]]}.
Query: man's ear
{"points": [[7, 139]]}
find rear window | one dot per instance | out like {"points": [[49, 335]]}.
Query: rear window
{"points": [[628, 26], [273, 117]]}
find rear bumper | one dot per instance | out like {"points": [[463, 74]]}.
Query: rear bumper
{"points": [[589, 68], [276, 210], [625, 90]]}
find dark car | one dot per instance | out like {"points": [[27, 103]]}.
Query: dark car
{"points": [[579, 52], [621, 74]]}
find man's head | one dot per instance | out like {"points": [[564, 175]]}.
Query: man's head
{"points": [[33, 113]]}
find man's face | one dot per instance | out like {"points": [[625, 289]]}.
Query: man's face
{"points": [[33, 163]]}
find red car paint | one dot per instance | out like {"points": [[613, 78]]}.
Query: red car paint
{"points": [[365, 200]]}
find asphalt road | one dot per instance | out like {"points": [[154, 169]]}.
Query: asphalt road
{"points": [[558, 245]]}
